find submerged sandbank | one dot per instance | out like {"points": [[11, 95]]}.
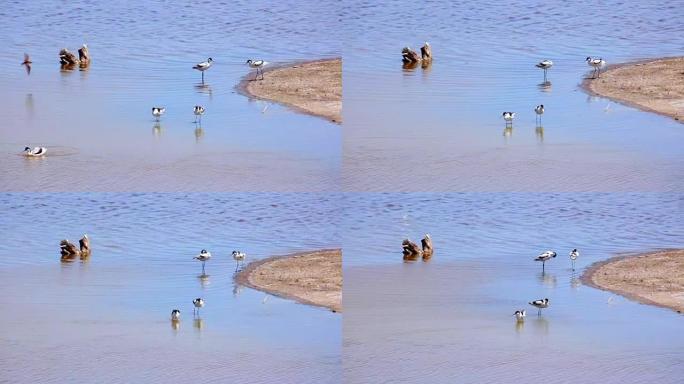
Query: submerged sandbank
{"points": [[655, 278], [312, 87], [653, 85], [313, 278]]}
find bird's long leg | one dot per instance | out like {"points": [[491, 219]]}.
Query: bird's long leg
{"points": [[237, 264], [543, 266], [203, 267], [202, 77], [539, 312]]}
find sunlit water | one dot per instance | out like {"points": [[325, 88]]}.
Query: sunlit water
{"points": [[107, 319], [97, 124], [451, 319], [440, 129]]}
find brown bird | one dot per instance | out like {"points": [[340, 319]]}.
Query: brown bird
{"points": [[68, 250], [410, 250], [84, 244], [409, 56], [27, 63], [427, 247], [426, 52]]}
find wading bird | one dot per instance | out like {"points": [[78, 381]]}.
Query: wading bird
{"points": [[239, 257], [198, 303], [203, 66], [175, 315], [157, 112], [203, 256], [540, 304], [35, 152], [545, 65], [544, 257], [259, 66], [198, 111], [597, 64], [27, 63], [508, 117], [520, 314], [539, 110], [573, 256]]}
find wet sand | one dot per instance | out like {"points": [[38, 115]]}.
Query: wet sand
{"points": [[312, 87], [655, 278], [651, 85], [313, 278]]}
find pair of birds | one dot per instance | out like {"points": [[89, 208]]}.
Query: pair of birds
{"points": [[509, 116], [411, 251], [409, 56], [205, 255], [539, 304], [35, 151], [68, 250], [595, 62], [255, 64], [197, 303], [198, 110], [548, 255]]}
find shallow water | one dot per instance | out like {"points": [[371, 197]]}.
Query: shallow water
{"points": [[450, 319], [440, 129], [107, 319], [97, 123]]}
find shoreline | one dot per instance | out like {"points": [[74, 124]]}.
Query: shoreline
{"points": [[312, 87], [642, 84], [281, 276], [629, 275]]}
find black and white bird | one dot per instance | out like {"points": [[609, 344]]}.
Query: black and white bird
{"points": [[35, 152], [539, 110], [175, 315], [27, 63], [203, 256], [597, 64], [520, 314], [544, 257], [157, 112], [259, 66], [508, 117], [203, 66], [198, 111], [540, 304], [545, 65], [574, 254], [239, 258], [198, 303]]}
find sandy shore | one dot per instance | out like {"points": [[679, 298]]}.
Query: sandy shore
{"points": [[313, 278], [652, 85], [655, 278], [312, 87]]}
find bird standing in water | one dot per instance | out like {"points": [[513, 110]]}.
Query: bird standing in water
{"points": [[198, 111], [198, 303], [203, 66], [259, 66], [203, 256], [520, 315], [539, 110], [157, 112], [508, 117], [540, 304], [544, 257], [597, 64], [239, 257], [573, 257], [545, 65]]}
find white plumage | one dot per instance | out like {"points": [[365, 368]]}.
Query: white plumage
{"points": [[35, 152], [574, 254], [520, 314], [239, 257], [545, 65], [157, 112], [175, 315], [540, 304], [203, 66], [544, 257], [259, 66], [198, 111], [597, 64], [203, 256], [198, 303], [508, 117]]}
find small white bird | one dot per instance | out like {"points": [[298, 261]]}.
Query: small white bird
{"points": [[597, 64], [198, 303], [239, 257], [520, 314], [157, 112], [259, 66], [175, 315], [203, 256], [508, 117], [540, 304], [539, 110], [573, 256], [35, 152], [203, 66], [545, 65], [544, 257], [198, 111]]}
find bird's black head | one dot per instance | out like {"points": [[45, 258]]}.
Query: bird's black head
{"points": [[588, 58], [27, 149], [210, 59], [204, 251], [541, 105]]}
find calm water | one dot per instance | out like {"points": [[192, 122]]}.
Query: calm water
{"points": [[108, 319], [441, 129], [97, 123], [450, 320]]}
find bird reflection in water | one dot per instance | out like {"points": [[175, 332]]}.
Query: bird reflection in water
{"points": [[507, 133], [539, 132], [204, 89], [204, 280], [198, 323], [175, 325], [545, 86], [547, 279], [157, 129], [542, 324], [237, 289], [199, 132]]}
